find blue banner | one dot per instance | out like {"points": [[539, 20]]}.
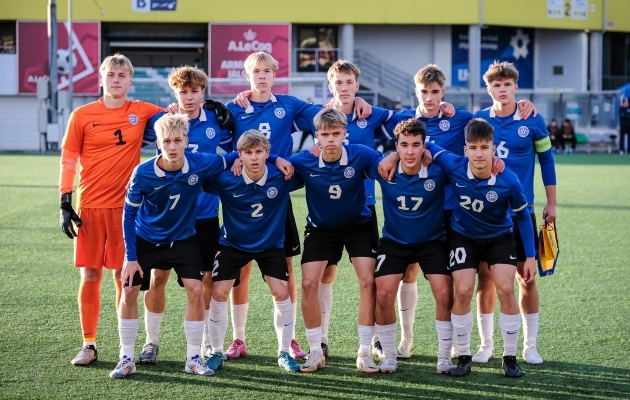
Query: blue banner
{"points": [[515, 45]]}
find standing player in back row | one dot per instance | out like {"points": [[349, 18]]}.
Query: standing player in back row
{"points": [[518, 142], [105, 137]]}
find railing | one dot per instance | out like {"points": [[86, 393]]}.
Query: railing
{"points": [[314, 60], [386, 76]]}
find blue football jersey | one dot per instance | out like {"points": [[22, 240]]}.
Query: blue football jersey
{"points": [[335, 192], [254, 212], [448, 133], [360, 131], [518, 140], [273, 118], [413, 206], [204, 136], [166, 202], [484, 204]]}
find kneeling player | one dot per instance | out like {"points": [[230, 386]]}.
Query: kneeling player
{"points": [[158, 227], [254, 209], [413, 198], [482, 230]]}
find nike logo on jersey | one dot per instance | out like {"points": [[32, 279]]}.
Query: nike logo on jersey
{"points": [[93, 124], [512, 258], [287, 272], [458, 185], [391, 183], [313, 175], [201, 273], [245, 116], [158, 188], [295, 248], [239, 195]]}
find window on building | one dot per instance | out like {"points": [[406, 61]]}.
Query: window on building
{"points": [[7, 37], [616, 63], [317, 48]]}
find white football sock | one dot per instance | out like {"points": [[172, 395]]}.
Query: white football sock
{"points": [[445, 337], [294, 316], [407, 302], [218, 319], [206, 329], [510, 326], [387, 336], [462, 328], [128, 332], [530, 329], [239, 320], [485, 325], [325, 303], [194, 332], [365, 338], [284, 323], [314, 336], [152, 322]]}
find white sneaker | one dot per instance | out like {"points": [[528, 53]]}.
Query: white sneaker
{"points": [[531, 356], [315, 361], [484, 354], [377, 350], [404, 348], [126, 366], [366, 364], [388, 365], [197, 367], [454, 353], [444, 365]]}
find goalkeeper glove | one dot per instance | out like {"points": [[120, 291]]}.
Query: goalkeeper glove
{"points": [[224, 115], [67, 216]]}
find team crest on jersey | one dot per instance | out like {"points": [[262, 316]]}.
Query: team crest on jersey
{"points": [[348, 172], [280, 113], [523, 131], [362, 123], [192, 179], [272, 192], [210, 133], [429, 185], [445, 125], [133, 118], [492, 196]]}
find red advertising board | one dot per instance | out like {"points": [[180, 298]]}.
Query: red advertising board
{"points": [[230, 44], [32, 52]]}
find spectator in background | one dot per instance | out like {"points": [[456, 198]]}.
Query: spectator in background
{"points": [[624, 126], [568, 135], [554, 135]]}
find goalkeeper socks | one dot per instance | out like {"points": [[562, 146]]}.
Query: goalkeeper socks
{"points": [[387, 336], [485, 324], [462, 328], [89, 308], [510, 326], [239, 320], [194, 332], [445, 338], [152, 322], [365, 338], [325, 303], [314, 336], [407, 302], [284, 323], [128, 331], [218, 321], [530, 329]]}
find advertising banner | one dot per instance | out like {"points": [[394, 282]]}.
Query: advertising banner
{"points": [[515, 45], [32, 54], [230, 44]]}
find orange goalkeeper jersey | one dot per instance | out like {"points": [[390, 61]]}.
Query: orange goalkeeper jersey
{"points": [[108, 143]]}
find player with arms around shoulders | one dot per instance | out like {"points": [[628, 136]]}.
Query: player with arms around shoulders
{"points": [[519, 141], [205, 134], [158, 223], [105, 137], [337, 214], [413, 198], [254, 209], [482, 230]]}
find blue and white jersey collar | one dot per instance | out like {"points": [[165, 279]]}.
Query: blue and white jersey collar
{"points": [[260, 182], [160, 173], [419, 114], [250, 108], [491, 181], [517, 114], [342, 161], [424, 172]]}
